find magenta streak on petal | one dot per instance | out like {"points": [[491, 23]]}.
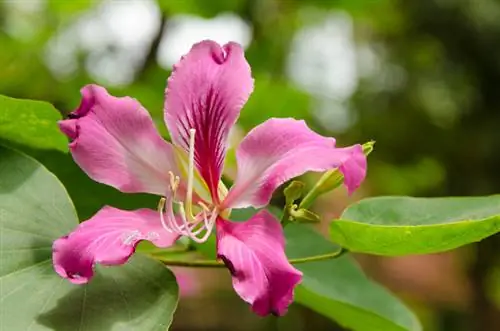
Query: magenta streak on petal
{"points": [[108, 238], [205, 92], [254, 253], [283, 148], [115, 142], [209, 124]]}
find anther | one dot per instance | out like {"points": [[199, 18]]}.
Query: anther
{"points": [[174, 181], [161, 205], [189, 225]]}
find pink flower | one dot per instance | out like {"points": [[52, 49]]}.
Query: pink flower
{"points": [[116, 143]]}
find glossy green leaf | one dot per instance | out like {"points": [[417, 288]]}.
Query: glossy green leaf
{"points": [[34, 211], [337, 288], [405, 225], [32, 123]]}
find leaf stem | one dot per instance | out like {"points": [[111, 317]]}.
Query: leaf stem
{"points": [[172, 250], [220, 264]]}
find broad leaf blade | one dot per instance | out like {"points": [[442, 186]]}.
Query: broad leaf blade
{"points": [[34, 211], [139, 295], [31, 123], [405, 225]]}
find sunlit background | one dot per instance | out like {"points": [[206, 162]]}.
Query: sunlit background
{"points": [[421, 78]]}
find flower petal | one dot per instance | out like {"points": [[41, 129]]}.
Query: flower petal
{"points": [[188, 281], [108, 238], [205, 92], [283, 148], [115, 142], [254, 253]]}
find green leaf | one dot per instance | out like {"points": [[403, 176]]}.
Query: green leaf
{"points": [[32, 123], [49, 146], [405, 225], [34, 211], [337, 289], [87, 195]]}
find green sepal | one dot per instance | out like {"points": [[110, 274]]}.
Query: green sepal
{"points": [[293, 192], [330, 180], [304, 215]]}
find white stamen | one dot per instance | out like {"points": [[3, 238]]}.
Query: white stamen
{"points": [[191, 226], [203, 206], [201, 224], [161, 208]]}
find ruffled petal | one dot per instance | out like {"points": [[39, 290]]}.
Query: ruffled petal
{"points": [[115, 142], [254, 253], [108, 238], [206, 92], [283, 148]]}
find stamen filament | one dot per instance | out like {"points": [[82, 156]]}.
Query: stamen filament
{"points": [[188, 225], [189, 192], [161, 208]]}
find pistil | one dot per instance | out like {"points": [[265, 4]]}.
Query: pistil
{"points": [[190, 226]]}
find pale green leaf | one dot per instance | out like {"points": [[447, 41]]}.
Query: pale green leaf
{"points": [[31, 123], [405, 225]]}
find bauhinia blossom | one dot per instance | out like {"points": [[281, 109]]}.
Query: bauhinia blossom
{"points": [[116, 143]]}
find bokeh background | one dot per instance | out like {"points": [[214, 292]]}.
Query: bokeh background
{"points": [[421, 78]]}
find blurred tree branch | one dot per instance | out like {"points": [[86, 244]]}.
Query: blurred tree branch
{"points": [[149, 62]]}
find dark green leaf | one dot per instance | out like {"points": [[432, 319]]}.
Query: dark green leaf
{"points": [[87, 195], [34, 211]]}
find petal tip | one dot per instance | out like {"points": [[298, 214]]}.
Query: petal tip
{"points": [[254, 253], [69, 128], [89, 93], [74, 270], [354, 169], [108, 238], [277, 305]]}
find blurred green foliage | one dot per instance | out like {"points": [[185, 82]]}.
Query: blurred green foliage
{"points": [[425, 86]]}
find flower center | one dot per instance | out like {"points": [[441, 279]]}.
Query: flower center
{"points": [[197, 227]]}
